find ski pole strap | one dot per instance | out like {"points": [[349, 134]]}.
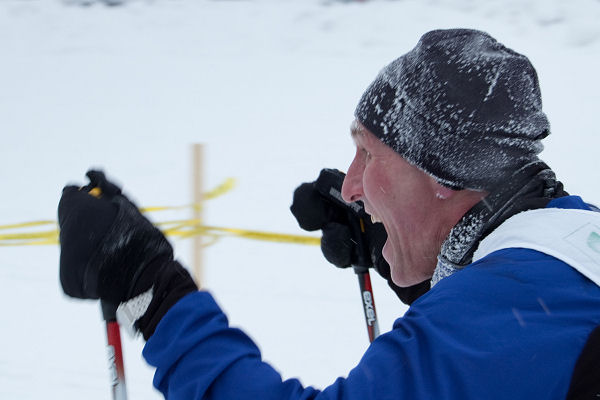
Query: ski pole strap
{"points": [[368, 301], [115, 352]]}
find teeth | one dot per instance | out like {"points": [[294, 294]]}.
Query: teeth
{"points": [[374, 219]]}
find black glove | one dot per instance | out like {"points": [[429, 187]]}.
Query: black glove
{"points": [[110, 251], [349, 236]]}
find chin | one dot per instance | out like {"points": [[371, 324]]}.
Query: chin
{"points": [[404, 279], [397, 273]]}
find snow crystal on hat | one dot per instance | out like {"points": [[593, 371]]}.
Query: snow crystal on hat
{"points": [[461, 106]]}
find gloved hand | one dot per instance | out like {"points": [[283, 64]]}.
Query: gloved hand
{"points": [[110, 251], [319, 205], [349, 236]]}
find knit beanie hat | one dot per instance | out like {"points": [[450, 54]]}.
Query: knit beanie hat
{"points": [[460, 106]]}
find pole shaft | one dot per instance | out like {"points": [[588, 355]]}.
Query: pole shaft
{"points": [[116, 366], [115, 359], [368, 302]]}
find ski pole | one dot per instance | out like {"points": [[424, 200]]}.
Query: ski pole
{"points": [[116, 367], [357, 228], [368, 301], [115, 352], [364, 280]]}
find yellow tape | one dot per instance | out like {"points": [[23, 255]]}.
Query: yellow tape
{"points": [[182, 229], [177, 228], [223, 188], [268, 236], [26, 224], [29, 238], [220, 190]]}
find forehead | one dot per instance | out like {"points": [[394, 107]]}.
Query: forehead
{"points": [[364, 138]]}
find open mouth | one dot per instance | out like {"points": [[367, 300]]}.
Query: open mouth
{"points": [[374, 218]]}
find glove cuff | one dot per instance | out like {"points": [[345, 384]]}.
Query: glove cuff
{"points": [[132, 310], [171, 284]]}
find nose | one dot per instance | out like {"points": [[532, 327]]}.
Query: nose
{"points": [[352, 189]]}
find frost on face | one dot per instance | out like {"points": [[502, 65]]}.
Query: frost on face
{"points": [[460, 106]]}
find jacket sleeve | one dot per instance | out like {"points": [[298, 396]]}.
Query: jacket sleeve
{"points": [[198, 356], [500, 329]]}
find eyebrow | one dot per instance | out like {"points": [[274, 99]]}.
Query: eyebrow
{"points": [[355, 129]]}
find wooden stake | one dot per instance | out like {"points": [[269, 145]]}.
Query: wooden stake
{"points": [[198, 199]]}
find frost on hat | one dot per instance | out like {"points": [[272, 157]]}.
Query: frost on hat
{"points": [[460, 106]]}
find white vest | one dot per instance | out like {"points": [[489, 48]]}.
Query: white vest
{"points": [[572, 236]]}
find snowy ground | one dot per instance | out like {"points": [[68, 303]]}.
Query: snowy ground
{"points": [[269, 87]]}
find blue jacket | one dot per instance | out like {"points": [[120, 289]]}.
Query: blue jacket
{"points": [[509, 326]]}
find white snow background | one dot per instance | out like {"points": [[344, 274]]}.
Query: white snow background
{"points": [[270, 87]]}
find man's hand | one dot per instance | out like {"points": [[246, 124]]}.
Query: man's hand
{"points": [[110, 251], [349, 236], [319, 205]]}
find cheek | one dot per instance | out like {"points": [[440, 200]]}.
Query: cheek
{"points": [[377, 185]]}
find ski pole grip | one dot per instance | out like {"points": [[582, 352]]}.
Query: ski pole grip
{"points": [[109, 311], [357, 227]]}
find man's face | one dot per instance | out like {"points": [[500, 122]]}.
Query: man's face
{"points": [[405, 199]]}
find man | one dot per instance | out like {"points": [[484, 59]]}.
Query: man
{"points": [[501, 266]]}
